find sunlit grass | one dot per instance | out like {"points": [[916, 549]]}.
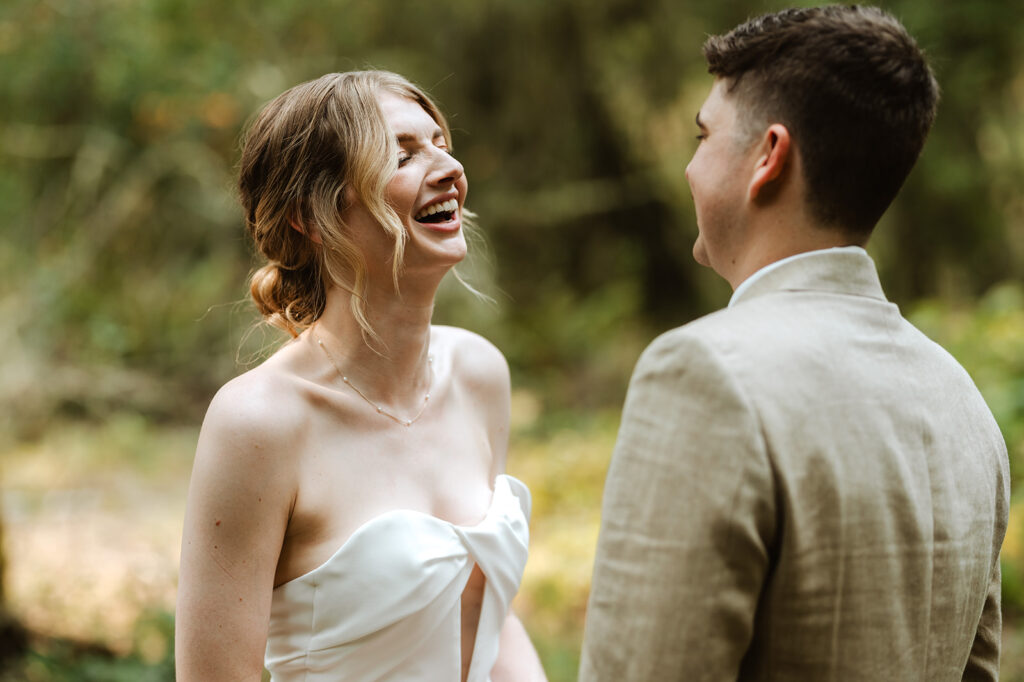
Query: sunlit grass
{"points": [[563, 458], [92, 524]]}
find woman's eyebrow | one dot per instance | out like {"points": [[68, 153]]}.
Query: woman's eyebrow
{"points": [[410, 137]]}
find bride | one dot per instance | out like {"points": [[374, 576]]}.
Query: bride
{"points": [[348, 516]]}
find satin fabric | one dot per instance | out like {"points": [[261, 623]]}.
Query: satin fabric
{"points": [[386, 605]]}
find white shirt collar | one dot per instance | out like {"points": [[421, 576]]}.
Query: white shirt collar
{"points": [[745, 284]]}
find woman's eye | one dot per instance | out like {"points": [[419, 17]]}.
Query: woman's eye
{"points": [[402, 160], [701, 137]]}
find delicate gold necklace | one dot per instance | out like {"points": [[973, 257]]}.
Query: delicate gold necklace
{"points": [[379, 408]]}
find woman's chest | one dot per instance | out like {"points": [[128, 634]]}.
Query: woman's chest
{"points": [[346, 480]]}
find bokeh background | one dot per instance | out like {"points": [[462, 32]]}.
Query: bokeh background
{"points": [[123, 301]]}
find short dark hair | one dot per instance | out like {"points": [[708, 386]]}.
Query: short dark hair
{"points": [[852, 87]]}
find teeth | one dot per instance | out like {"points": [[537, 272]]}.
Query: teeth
{"points": [[449, 205]]}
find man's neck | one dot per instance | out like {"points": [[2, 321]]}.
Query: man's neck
{"points": [[751, 281], [776, 242]]}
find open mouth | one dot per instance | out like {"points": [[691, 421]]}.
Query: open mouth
{"points": [[441, 212], [442, 217]]}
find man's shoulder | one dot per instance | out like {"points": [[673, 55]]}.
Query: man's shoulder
{"points": [[727, 333], [712, 347], [804, 337], [795, 334]]}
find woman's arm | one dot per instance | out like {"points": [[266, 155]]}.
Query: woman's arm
{"points": [[517, 659], [238, 505]]}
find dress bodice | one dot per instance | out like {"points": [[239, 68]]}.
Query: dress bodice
{"points": [[386, 605]]}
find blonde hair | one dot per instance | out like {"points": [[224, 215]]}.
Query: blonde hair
{"points": [[306, 149]]}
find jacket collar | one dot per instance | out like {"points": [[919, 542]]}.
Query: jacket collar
{"points": [[846, 270]]}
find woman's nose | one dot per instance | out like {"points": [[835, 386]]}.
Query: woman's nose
{"points": [[447, 168]]}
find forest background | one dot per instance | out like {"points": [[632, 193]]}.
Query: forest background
{"points": [[123, 299]]}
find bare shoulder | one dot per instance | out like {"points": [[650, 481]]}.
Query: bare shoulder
{"points": [[475, 361], [252, 422], [480, 374], [241, 496]]}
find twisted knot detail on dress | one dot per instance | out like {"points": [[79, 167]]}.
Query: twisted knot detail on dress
{"points": [[386, 605]]}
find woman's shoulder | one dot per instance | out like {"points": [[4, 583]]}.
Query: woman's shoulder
{"points": [[473, 358], [261, 408], [481, 375]]}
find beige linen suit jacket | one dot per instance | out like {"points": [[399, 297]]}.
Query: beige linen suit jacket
{"points": [[804, 488]]}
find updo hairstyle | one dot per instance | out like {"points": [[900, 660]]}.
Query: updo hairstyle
{"points": [[303, 151]]}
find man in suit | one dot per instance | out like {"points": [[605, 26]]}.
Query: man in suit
{"points": [[804, 486]]}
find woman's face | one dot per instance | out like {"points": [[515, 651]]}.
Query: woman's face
{"points": [[427, 192]]}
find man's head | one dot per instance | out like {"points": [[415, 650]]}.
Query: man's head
{"points": [[853, 91], [814, 122]]}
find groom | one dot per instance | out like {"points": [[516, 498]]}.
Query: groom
{"points": [[804, 486]]}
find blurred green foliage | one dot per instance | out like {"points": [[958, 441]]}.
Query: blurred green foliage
{"points": [[123, 251], [54, 660], [125, 263], [988, 340]]}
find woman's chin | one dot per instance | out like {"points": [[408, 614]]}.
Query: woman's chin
{"points": [[451, 257], [444, 254]]}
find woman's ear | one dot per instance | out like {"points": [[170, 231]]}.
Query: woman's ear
{"points": [[773, 158], [313, 234]]}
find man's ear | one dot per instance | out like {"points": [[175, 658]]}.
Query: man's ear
{"points": [[773, 158], [313, 234]]}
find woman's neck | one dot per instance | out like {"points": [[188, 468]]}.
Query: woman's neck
{"points": [[391, 369]]}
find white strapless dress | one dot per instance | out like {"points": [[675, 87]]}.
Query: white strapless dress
{"points": [[386, 605]]}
